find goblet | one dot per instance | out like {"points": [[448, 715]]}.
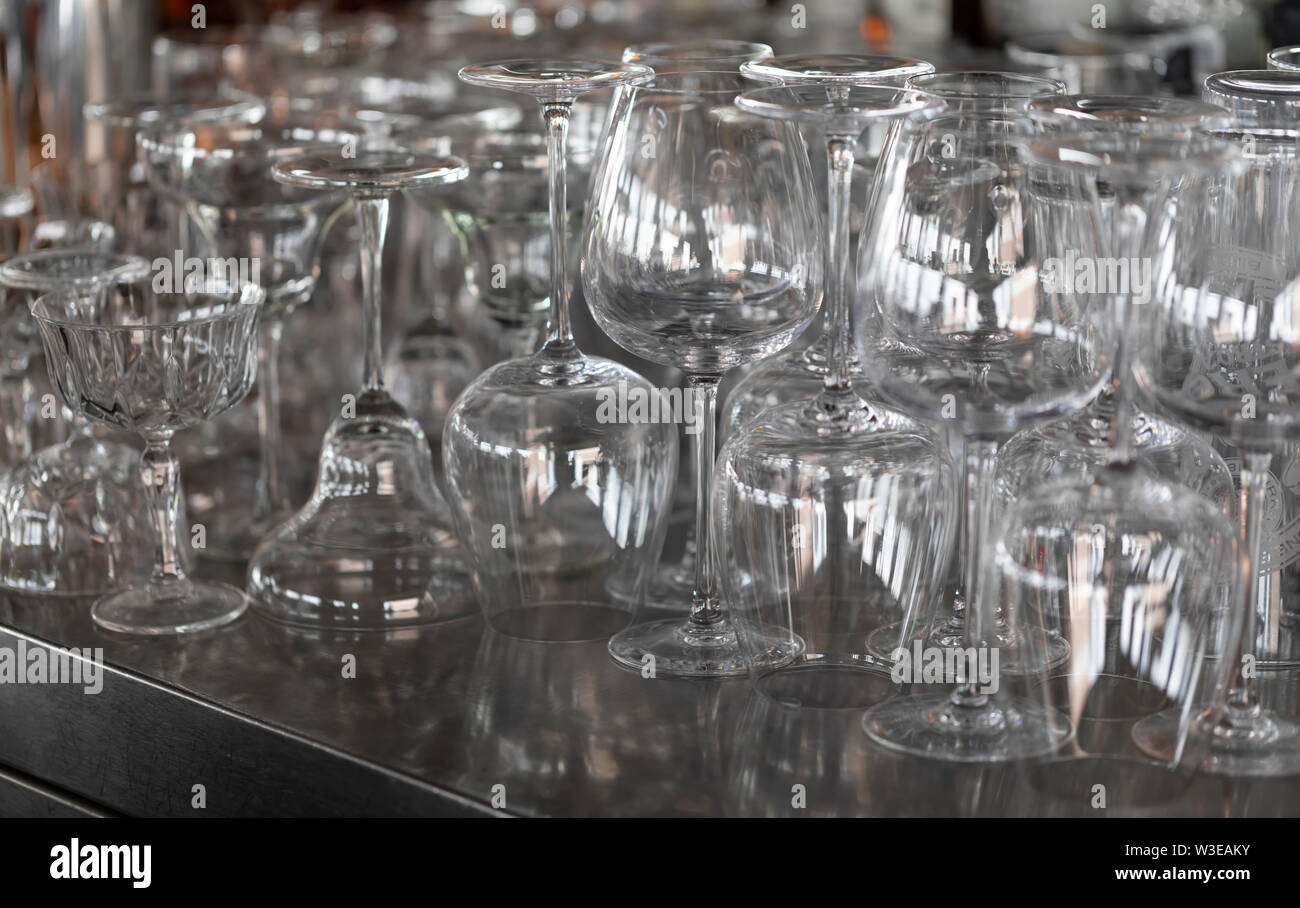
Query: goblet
{"points": [[373, 548], [834, 515], [700, 252], [1081, 444], [955, 324], [242, 218], [74, 520], [555, 494], [1222, 355], [131, 357]]}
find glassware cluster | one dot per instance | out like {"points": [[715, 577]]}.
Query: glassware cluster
{"points": [[1030, 488]]}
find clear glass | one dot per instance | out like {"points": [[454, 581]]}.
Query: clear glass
{"points": [[1221, 354], [1286, 59], [155, 363], [555, 494], [1094, 67], [372, 549], [16, 389], [704, 54], [726, 267], [852, 69], [74, 519], [984, 345], [238, 216], [834, 515]]}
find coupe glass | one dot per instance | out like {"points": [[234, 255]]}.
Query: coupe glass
{"points": [[74, 520], [554, 495], [701, 252], [1222, 353], [1081, 444], [155, 363], [239, 216], [373, 548], [956, 323], [834, 515]]}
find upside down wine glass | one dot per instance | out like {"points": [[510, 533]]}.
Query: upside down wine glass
{"points": [[155, 363], [700, 252], [555, 496], [955, 324], [834, 515], [1223, 353], [373, 548]]}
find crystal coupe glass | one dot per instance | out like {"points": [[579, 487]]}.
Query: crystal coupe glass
{"points": [[700, 252], [555, 495], [373, 548], [155, 363]]}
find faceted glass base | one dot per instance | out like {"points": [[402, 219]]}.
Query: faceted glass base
{"points": [[158, 609], [972, 729]]}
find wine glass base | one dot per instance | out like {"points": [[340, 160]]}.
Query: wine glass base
{"points": [[161, 610], [885, 641], [673, 648], [1268, 746], [1003, 729]]}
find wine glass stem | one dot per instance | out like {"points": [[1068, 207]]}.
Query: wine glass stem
{"points": [[839, 154], [1242, 693], [981, 465], [270, 486], [1130, 243], [704, 391], [15, 440], [372, 216], [555, 116], [160, 471]]}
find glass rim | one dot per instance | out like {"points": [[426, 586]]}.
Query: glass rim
{"points": [[118, 267], [1047, 86], [602, 73], [1276, 86], [1286, 58], [1102, 152], [237, 298], [681, 76], [905, 101], [158, 141], [694, 51], [1131, 109], [895, 67], [147, 109]]}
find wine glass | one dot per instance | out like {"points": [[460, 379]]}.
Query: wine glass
{"points": [[74, 520], [834, 515], [372, 549], [1125, 570], [1081, 444], [155, 362], [700, 252], [701, 54], [555, 496], [1221, 353], [799, 372], [955, 324], [238, 216], [999, 95]]}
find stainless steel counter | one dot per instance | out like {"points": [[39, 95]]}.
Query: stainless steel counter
{"points": [[435, 720]]}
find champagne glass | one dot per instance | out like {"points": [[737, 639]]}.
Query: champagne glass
{"points": [[1221, 353], [835, 514], [372, 549], [955, 324], [554, 495], [131, 357], [700, 252]]}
